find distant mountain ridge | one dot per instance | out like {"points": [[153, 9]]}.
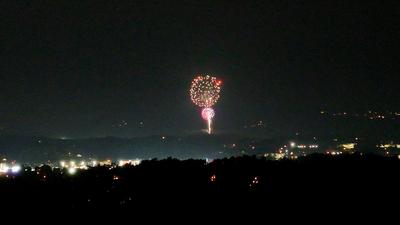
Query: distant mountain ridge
{"points": [[42, 149]]}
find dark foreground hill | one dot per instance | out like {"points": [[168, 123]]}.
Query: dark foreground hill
{"points": [[327, 180]]}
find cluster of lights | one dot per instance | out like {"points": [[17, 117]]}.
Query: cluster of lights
{"points": [[307, 146], [386, 146], [254, 181], [291, 150], [334, 152], [275, 156], [348, 146], [213, 178], [370, 115], [73, 164], [72, 167], [204, 91], [107, 162], [5, 168], [133, 162]]}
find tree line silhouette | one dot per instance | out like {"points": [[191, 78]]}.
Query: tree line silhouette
{"points": [[249, 179]]}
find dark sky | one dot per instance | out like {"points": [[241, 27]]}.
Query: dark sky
{"points": [[79, 68]]}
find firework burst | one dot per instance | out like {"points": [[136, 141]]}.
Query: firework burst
{"points": [[204, 93]]}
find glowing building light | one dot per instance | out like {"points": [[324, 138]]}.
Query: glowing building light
{"points": [[107, 162], [133, 162], [15, 169], [348, 146], [72, 170], [4, 168]]}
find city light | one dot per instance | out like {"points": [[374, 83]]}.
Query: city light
{"points": [[213, 178], [107, 162], [4, 168], [254, 181], [348, 146], [133, 162], [72, 164], [15, 169], [388, 145], [72, 170]]}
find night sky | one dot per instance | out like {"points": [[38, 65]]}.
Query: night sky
{"points": [[82, 68]]}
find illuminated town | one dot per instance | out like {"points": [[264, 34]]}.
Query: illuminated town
{"points": [[261, 148]]}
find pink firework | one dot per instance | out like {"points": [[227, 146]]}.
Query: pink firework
{"points": [[207, 113]]}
